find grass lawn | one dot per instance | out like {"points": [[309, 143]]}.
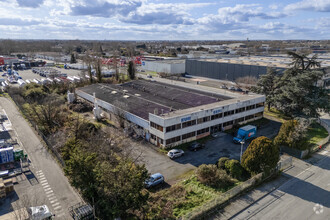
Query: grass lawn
{"points": [[316, 133], [274, 113], [189, 194]]}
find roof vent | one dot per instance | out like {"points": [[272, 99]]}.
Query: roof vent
{"points": [[125, 96], [113, 92], [125, 90], [156, 111], [137, 95]]}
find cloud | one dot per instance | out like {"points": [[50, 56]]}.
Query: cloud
{"points": [[310, 5], [162, 14], [104, 8], [30, 3], [18, 22]]}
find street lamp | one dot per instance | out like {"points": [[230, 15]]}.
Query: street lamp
{"points": [[242, 143]]}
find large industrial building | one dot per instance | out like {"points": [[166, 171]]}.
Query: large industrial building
{"points": [[230, 68], [165, 66], [169, 115]]}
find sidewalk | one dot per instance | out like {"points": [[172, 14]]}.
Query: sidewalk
{"points": [[245, 201]]}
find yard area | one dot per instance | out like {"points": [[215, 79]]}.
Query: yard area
{"points": [[316, 133], [183, 197]]}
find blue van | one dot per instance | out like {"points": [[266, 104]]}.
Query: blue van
{"points": [[245, 133]]}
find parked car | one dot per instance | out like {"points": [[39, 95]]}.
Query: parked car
{"points": [[224, 87], [239, 90], [196, 146], [232, 88], [155, 179], [149, 76], [175, 153]]}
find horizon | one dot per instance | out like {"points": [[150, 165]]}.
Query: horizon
{"points": [[165, 20]]}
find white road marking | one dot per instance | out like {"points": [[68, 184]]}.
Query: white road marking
{"points": [[56, 204], [43, 180], [41, 175], [60, 215], [39, 171], [57, 208], [52, 198], [45, 184], [51, 191], [50, 195], [47, 189], [53, 201]]}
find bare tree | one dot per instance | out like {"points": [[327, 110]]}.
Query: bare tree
{"points": [[21, 206]]}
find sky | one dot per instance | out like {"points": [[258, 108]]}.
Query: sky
{"points": [[165, 19]]}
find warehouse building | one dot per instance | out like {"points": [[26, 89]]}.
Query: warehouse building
{"points": [[231, 68], [165, 66], [169, 115]]}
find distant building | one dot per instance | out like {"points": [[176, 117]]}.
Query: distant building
{"points": [[165, 66]]}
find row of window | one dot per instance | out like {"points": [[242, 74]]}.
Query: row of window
{"points": [[173, 127], [188, 123], [189, 135], [173, 140], [206, 119], [205, 130], [156, 126]]}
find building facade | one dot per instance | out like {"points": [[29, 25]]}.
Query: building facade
{"points": [[178, 128]]}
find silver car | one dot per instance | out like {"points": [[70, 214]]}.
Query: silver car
{"points": [[175, 153]]}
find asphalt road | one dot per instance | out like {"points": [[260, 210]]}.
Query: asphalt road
{"points": [[46, 183], [305, 196]]}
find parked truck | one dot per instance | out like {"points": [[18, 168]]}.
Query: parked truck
{"points": [[245, 133]]}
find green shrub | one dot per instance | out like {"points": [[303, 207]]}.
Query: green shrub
{"points": [[234, 168], [222, 162], [260, 156], [212, 176], [293, 134]]}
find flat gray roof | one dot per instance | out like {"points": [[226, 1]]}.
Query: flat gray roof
{"points": [[141, 97]]}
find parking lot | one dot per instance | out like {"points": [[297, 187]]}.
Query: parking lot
{"points": [[28, 74], [221, 146]]}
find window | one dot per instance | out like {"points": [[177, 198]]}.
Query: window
{"points": [[161, 141], [156, 126], [229, 113], [228, 123], [249, 117], [239, 120], [189, 135], [260, 114], [173, 140], [213, 117], [153, 136], [239, 110], [203, 120], [261, 104], [202, 131], [188, 123], [250, 107], [173, 127]]}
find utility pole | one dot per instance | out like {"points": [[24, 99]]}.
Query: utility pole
{"points": [[242, 143]]}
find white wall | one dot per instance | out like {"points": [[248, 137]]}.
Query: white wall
{"points": [[172, 68]]}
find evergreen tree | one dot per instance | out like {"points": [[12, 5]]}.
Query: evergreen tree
{"points": [[131, 70], [260, 156]]}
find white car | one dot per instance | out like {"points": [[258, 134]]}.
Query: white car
{"points": [[175, 153]]}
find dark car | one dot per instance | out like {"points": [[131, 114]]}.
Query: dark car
{"points": [[196, 146], [239, 90]]}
